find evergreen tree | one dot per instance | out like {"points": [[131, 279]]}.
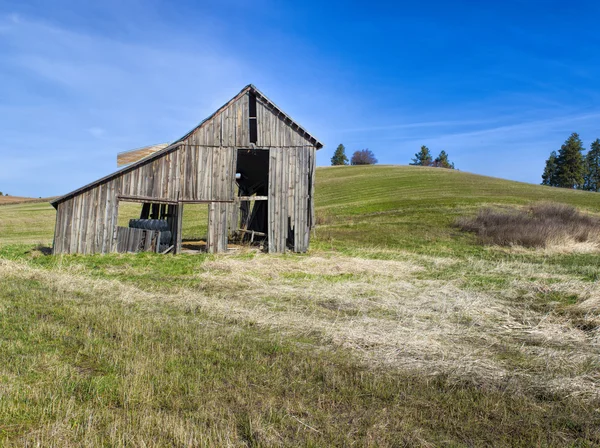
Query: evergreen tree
{"points": [[339, 156], [569, 163], [549, 176], [591, 178], [442, 161], [423, 157]]}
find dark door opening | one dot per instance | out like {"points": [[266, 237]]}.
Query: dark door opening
{"points": [[253, 184]]}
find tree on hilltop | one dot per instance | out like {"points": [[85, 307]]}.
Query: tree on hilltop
{"points": [[570, 166], [363, 157], [591, 177], [339, 156], [441, 161], [549, 175], [423, 157]]}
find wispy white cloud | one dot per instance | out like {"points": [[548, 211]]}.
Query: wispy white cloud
{"points": [[100, 95], [418, 125]]}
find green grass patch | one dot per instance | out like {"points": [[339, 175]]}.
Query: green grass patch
{"points": [[86, 370]]}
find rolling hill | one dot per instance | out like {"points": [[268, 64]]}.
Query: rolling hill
{"points": [[396, 329], [394, 207], [414, 208]]}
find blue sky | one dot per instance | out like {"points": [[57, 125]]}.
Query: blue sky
{"points": [[498, 85]]}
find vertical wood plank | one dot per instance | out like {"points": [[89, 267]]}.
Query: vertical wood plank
{"points": [[179, 227], [57, 240]]}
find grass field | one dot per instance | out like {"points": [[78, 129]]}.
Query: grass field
{"points": [[395, 330]]}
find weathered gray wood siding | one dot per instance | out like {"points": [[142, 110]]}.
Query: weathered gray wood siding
{"points": [[217, 227], [274, 129], [203, 168], [86, 223], [291, 181], [290, 198], [137, 240]]}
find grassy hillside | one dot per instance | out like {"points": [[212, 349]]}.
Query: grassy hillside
{"points": [[390, 207], [395, 330], [413, 208]]}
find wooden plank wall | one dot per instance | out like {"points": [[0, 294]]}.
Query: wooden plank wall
{"points": [[217, 227], [137, 240], [87, 222], [274, 131], [203, 169], [290, 186]]}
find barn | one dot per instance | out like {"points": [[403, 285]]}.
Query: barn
{"points": [[249, 161]]}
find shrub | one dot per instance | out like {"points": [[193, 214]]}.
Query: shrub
{"points": [[363, 157], [539, 225]]}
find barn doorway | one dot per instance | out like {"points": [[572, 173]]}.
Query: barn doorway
{"points": [[252, 178], [194, 231]]}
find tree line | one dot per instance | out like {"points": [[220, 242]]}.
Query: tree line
{"points": [[360, 157], [571, 168], [424, 158], [366, 157]]}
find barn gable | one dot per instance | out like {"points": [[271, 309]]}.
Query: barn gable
{"points": [[201, 168]]}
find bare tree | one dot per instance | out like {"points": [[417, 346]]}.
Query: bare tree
{"points": [[363, 157]]}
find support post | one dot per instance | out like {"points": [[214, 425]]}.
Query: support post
{"points": [[178, 228], [145, 211]]}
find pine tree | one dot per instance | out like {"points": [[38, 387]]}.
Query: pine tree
{"points": [[423, 157], [569, 163], [339, 156], [591, 178], [441, 161], [549, 176]]}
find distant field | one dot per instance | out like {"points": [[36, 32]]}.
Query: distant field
{"points": [[395, 329], [19, 200]]}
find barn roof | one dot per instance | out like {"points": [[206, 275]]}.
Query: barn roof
{"points": [[249, 88], [133, 155]]}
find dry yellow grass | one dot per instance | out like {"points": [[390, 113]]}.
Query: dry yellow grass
{"points": [[389, 316], [395, 330]]}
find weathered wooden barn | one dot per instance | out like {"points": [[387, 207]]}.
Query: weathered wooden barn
{"points": [[249, 161]]}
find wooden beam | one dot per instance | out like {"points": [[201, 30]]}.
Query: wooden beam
{"points": [[252, 198], [146, 199], [145, 211], [191, 201], [253, 232], [166, 251]]}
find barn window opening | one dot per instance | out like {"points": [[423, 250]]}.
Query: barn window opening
{"points": [[143, 227], [252, 125], [128, 211]]}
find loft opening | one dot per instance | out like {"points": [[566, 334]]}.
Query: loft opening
{"points": [[252, 125]]}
